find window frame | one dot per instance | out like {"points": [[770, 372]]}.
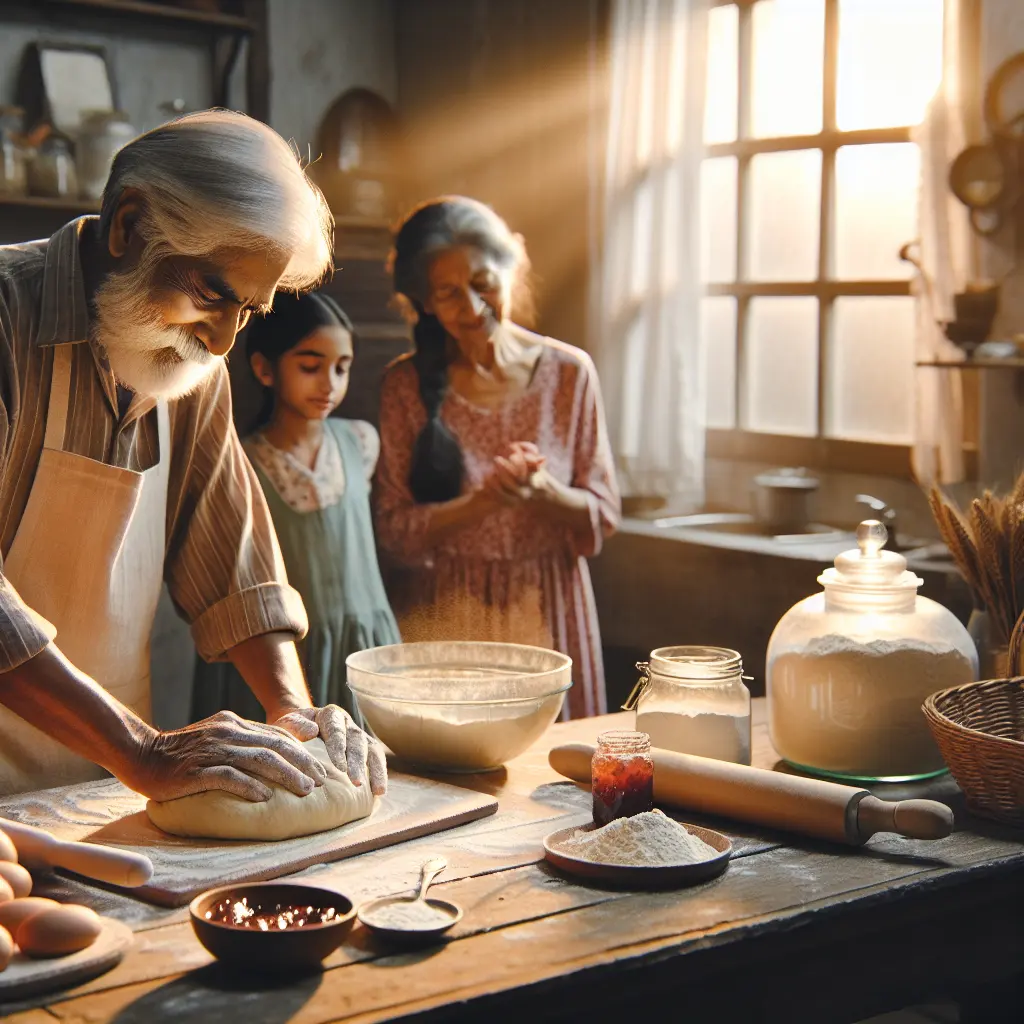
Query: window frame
{"points": [[820, 451]]}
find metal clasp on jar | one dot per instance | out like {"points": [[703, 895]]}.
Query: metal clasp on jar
{"points": [[644, 668]]}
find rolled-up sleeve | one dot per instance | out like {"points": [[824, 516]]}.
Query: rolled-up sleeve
{"points": [[23, 632], [224, 568]]}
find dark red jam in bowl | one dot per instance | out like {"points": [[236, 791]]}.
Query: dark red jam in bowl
{"points": [[270, 918]]}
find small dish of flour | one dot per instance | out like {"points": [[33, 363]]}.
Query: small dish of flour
{"points": [[645, 849]]}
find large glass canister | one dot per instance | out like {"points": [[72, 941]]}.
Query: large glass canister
{"points": [[693, 700], [849, 668]]}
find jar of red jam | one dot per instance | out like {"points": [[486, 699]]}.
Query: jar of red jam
{"points": [[622, 776]]}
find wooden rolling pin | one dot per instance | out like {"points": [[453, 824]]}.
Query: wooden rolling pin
{"points": [[812, 807], [38, 850]]}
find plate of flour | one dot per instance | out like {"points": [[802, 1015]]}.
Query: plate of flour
{"points": [[645, 851]]}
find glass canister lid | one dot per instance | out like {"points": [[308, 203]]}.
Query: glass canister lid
{"points": [[870, 571]]}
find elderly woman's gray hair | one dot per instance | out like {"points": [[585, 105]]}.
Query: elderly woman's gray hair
{"points": [[219, 180]]}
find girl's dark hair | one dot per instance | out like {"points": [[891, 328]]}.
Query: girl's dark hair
{"points": [[293, 318], [437, 466]]}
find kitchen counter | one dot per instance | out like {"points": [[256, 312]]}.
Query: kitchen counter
{"points": [[794, 931]]}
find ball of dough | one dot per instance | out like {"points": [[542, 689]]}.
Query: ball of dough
{"points": [[219, 815], [16, 877]]}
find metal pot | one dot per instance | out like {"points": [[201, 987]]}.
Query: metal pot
{"points": [[782, 499]]}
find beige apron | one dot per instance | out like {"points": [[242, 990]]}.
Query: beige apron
{"points": [[88, 557]]}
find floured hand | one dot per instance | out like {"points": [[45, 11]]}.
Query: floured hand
{"points": [[225, 752], [351, 750]]}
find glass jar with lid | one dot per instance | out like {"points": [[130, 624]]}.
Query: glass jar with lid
{"points": [[849, 668], [101, 136], [51, 170], [693, 700], [13, 154]]}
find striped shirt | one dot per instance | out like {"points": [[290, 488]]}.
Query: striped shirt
{"points": [[222, 563]]}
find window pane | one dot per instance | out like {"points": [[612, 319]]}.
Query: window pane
{"points": [[876, 209], [871, 370], [718, 219], [720, 105], [789, 47], [782, 366], [785, 210], [718, 330], [890, 61]]}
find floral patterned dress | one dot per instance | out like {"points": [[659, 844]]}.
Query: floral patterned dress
{"points": [[515, 577]]}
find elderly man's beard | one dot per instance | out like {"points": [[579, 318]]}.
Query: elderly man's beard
{"points": [[145, 355]]}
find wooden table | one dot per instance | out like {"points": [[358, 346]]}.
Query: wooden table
{"points": [[794, 931]]}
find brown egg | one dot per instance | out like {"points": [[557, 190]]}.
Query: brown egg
{"points": [[17, 878], [7, 850], [6, 948], [58, 932], [6, 892], [16, 911]]}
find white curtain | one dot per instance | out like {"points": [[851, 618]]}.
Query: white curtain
{"points": [[645, 289], [946, 256]]}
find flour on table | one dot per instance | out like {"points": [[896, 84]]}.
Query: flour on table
{"points": [[219, 815], [650, 839]]}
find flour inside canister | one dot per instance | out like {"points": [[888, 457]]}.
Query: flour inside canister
{"points": [[855, 708], [650, 839]]}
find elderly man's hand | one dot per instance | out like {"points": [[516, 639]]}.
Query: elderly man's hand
{"points": [[228, 753], [354, 752]]}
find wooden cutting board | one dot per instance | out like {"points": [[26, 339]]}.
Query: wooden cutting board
{"points": [[108, 813]]}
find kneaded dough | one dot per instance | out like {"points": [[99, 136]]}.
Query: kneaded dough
{"points": [[219, 815]]}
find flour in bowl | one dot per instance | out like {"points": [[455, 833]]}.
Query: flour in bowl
{"points": [[650, 839]]}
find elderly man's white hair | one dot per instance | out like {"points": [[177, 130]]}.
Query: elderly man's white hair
{"points": [[219, 180]]}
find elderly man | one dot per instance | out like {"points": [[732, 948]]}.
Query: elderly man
{"points": [[120, 468]]}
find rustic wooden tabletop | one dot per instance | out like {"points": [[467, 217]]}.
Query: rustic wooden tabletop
{"points": [[794, 931]]}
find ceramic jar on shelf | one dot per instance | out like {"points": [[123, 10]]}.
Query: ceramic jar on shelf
{"points": [[101, 135]]}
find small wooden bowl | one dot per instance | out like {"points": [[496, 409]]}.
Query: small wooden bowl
{"points": [[291, 949], [630, 877]]}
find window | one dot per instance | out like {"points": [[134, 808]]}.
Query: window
{"points": [[809, 191]]}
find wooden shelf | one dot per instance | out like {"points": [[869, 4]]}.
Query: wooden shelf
{"points": [[1010, 363], [69, 205], [147, 10]]}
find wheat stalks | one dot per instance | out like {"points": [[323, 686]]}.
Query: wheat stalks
{"points": [[957, 539], [993, 560]]}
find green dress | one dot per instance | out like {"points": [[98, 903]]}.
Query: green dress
{"points": [[331, 560]]}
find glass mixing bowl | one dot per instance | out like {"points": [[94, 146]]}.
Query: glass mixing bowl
{"points": [[459, 706]]}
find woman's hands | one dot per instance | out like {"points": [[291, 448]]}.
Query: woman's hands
{"points": [[519, 474]]}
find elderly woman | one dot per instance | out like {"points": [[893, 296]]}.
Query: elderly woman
{"points": [[495, 481]]}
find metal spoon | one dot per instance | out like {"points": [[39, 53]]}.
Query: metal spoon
{"points": [[384, 916]]}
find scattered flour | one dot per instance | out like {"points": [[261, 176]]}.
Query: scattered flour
{"points": [[650, 839]]}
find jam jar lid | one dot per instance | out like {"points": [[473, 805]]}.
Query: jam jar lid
{"points": [[870, 568]]}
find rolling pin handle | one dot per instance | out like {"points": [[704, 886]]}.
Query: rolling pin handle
{"points": [[915, 819]]}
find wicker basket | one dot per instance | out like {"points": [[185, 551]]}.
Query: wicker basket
{"points": [[979, 728]]}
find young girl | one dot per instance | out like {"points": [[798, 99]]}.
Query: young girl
{"points": [[314, 472]]}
